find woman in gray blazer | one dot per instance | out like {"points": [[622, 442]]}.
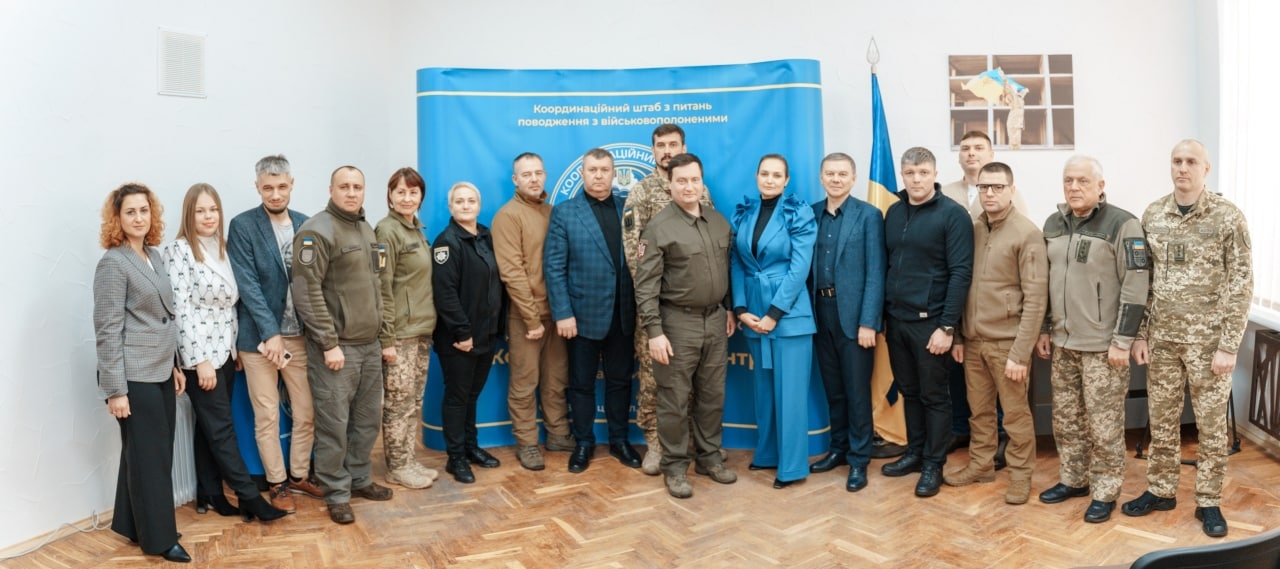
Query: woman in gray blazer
{"points": [[137, 337], [204, 297]]}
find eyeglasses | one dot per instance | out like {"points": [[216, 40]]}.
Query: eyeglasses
{"points": [[996, 189]]}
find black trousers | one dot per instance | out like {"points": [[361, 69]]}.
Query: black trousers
{"points": [[618, 353], [144, 491], [217, 452], [926, 395], [464, 378], [846, 377]]}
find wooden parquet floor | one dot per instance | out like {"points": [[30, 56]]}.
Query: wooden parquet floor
{"points": [[612, 516]]}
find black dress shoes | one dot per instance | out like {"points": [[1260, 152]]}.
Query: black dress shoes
{"points": [[828, 463], [881, 448], [1099, 512], [581, 458], [930, 481], [1214, 524], [625, 454], [903, 466], [1147, 503], [780, 484], [754, 466], [1060, 492], [176, 554], [857, 478], [958, 442], [460, 469], [482, 458]]}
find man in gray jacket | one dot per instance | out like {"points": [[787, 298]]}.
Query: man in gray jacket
{"points": [[1098, 279]]}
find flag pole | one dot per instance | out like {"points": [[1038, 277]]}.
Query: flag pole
{"points": [[873, 54], [887, 410]]}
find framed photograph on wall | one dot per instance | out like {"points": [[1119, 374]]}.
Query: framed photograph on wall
{"points": [[1020, 101]]}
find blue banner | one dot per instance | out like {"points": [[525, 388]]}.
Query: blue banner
{"points": [[473, 122]]}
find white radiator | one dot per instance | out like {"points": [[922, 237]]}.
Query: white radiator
{"points": [[184, 467]]}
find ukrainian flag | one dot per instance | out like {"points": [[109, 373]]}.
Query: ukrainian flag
{"points": [[882, 189]]}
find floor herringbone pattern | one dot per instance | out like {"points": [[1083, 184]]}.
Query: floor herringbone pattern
{"points": [[612, 516]]}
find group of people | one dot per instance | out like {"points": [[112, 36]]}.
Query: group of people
{"points": [[346, 313], [1092, 289]]}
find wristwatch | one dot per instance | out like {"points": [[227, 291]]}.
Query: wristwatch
{"points": [[948, 330]]}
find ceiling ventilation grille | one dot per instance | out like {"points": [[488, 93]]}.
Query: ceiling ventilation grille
{"points": [[181, 64]]}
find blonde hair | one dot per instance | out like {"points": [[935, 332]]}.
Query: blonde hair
{"points": [[111, 234], [187, 229]]}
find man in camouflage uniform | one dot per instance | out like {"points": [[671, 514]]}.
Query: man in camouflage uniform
{"points": [[1098, 277], [1201, 286], [645, 200]]}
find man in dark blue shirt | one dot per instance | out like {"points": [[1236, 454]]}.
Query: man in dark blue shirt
{"points": [[847, 287]]}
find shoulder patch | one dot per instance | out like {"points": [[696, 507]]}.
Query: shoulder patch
{"points": [[640, 250], [440, 254], [1135, 254], [307, 255], [628, 218]]}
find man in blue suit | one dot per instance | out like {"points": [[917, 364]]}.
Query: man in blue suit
{"points": [[260, 247], [593, 303], [847, 285]]}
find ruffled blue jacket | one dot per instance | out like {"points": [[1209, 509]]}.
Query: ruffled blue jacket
{"points": [[775, 275]]}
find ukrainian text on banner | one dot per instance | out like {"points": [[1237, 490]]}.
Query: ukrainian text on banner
{"points": [[473, 122]]}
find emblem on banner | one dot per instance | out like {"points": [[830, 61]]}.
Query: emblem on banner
{"points": [[631, 163]]}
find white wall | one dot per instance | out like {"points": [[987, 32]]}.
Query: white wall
{"points": [[1135, 66], [80, 115], [332, 82]]}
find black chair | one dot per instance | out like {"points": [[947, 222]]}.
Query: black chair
{"points": [[1258, 552]]}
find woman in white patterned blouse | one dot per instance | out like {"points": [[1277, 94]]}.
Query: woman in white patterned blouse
{"points": [[205, 294]]}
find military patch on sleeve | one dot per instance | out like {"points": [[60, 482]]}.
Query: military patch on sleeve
{"points": [[440, 254], [628, 218], [1135, 254], [1243, 236], [308, 253], [640, 250]]}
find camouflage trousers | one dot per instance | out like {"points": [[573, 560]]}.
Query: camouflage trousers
{"points": [[1174, 366], [647, 396], [1088, 421], [403, 383]]}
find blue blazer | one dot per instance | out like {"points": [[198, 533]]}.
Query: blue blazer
{"points": [[860, 266], [261, 276], [578, 268], [775, 275]]}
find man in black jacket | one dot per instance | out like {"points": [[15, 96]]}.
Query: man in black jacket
{"points": [[929, 241]]}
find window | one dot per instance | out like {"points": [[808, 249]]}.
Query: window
{"points": [[1046, 98], [1249, 145]]}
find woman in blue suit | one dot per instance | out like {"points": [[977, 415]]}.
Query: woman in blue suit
{"points": [[137, 337], [771, 256]]}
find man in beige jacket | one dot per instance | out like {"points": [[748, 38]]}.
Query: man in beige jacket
{"points": [[538, 359], [1002, 318]]}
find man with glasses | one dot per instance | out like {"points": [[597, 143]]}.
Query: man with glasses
{"points": [[1002, 318]]}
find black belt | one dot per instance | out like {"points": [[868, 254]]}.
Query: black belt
{"points": [[829, 291], [702, 310]]}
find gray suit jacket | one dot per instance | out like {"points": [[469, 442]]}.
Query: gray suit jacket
{"points": [[133, 319]]}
